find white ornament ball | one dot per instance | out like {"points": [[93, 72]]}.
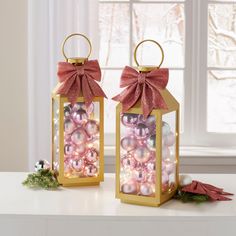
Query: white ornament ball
{"points": [[185, 180]]}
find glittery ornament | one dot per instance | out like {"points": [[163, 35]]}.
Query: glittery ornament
{"points": [[128, 143], [42, 164], [80, 116], [92, 127], [67, 110], [78, 105], [165, 129], [142, 154], [170, 139], [146, 189], [90, 170], [68, 149], [77, 164], [69, 126], [141, 131], [79, 136], [91, 155], [151, 142], [129, 120], [129, 187]]}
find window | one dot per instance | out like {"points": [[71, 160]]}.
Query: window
{"points": [[199, 41]]}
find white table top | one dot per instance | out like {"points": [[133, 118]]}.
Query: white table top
{"points": [[100, 201]]}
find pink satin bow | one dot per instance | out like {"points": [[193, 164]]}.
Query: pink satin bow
{"points": [[144, 86], [80, 80]]}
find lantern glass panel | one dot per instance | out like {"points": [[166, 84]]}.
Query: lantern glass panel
{"points": [[55, 134], [137, 154], [168, 151], [81, 140]]}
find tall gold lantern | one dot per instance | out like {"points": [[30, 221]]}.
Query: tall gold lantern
{"points": [[77, 122], [147, 147]]}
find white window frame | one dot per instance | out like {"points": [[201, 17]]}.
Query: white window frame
{"points": [[195, 74]]}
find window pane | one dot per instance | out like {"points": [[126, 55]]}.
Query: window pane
{"points": [[110, 84], [176, 87], [222, 35], [221, 112], [164, 23], [114, 34]]}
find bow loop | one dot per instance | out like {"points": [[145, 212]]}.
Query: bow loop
{"points": [[143, 86], [80, 79]]}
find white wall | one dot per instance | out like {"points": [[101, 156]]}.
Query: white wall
{"points": [[13, 85]]}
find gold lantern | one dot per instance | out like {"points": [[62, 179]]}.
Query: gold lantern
{"points": [[147, 147], [77, 122]]}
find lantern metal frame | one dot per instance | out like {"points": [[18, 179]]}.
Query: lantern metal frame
{"points": [[76, 181], [159, 197]]}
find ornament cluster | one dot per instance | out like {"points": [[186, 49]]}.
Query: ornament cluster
{"points": [[138, 155], [81, 141]]}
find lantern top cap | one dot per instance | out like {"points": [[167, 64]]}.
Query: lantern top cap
{"points": [[76, 60], [147, 68]]}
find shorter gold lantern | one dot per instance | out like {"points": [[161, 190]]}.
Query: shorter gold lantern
{"points": [[77, 126], [147, 147]]}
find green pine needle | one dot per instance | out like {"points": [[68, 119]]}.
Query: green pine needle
{"points": [[191, 197], [42, 179]]}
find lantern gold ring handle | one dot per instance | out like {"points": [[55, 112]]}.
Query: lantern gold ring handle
{"points": [[72, 35], [148, 40]]}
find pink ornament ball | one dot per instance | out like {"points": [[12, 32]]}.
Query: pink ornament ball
{"points": [[151, 178], [140, 175], [142, 154], [146, 189], [68, 149], [80, 149], [77, 164], [92, 127], [169, 139], [90, 108], [79, 136], [129, 119], [90, 170], [80, 116], [128, 162], [150, 121], [130, 187], [69, 126], [128, 143], [91, 155], [141, 131], [67, 110], [151, 165]]}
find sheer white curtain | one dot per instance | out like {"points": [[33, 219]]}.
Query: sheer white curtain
{"points": [[49, 22]]}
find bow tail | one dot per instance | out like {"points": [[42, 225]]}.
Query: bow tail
{"points": [[126, 99], [158, 101], [87, 92], [147, 101], [73, 93], [96, 89], [65, 86]]}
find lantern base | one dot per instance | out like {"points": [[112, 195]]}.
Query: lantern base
{"points": [[80, 184], [130, 199]]}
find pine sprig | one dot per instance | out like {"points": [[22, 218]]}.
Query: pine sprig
{"points": [[42, 179], [190, 197]]}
